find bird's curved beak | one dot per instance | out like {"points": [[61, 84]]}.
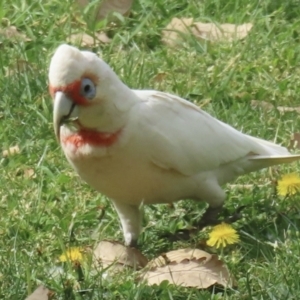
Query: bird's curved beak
{"points": [[62, 112]]}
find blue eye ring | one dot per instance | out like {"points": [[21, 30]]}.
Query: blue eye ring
{"points": [[87, 88]]}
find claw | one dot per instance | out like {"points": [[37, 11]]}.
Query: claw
{"points": [[210, 217], [179, 235], [236, 216]]}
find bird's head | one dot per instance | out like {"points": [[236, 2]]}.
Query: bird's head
{"points": [[80, 83]]}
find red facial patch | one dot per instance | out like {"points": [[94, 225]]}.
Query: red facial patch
{"points": [[72, 90], [91, 137]]}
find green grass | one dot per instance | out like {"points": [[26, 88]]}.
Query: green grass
{"points": [[41, 216]]}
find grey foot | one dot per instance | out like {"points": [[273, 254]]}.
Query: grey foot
{"points": [[179, 235], [132, 244], [210, 217], [236, 216]]}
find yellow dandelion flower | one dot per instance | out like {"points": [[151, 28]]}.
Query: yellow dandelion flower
{"points": [[221, 235], [72, 254], [289, 184]]}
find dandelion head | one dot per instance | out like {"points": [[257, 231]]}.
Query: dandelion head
{"points": [[288, 185], [222, 235], [72, 254]]}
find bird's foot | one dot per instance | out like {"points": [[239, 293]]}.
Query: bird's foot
{"points": [[131, 240], [236, 216], [179, 235], [133, 244], [210, 217]]}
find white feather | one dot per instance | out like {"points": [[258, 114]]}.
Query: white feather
{"points": [[182, 137], [169, 149]]}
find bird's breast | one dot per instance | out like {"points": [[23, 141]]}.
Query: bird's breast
{"points": [[126, 175]]}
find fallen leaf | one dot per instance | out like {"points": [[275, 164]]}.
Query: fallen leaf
{"points": [[11, 151], [41, 293], [18, 67], [188, 268], [174, 32], [295, 141], [224, 32], [178, 256], [284, 109], [103, 38], [269, 106], [86, 40], [118, 256], [262, 104], [183, 27], [159, 77], [29, 173], [108, 6], [11, 33]]}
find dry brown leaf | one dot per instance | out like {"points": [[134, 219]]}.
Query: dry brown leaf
{"points": [[179, 256], [284, 109], [19, 66], [29, 173], [118, 256], [269, 106], [262, 104], [86, 40], [180, 27], [175, 30], [11, 33], [159, 77], [224, 32], [188, 268], [108, 6], [103, 38], [41, 293], [11, 151], [295, 141]]}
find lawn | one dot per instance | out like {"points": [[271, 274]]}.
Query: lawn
{"points": [[46, 208]]}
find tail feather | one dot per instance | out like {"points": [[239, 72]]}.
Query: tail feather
{"points": [[270, 160], [271, 148]]}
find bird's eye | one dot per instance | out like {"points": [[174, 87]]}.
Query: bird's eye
{"points": [[88, 89]]}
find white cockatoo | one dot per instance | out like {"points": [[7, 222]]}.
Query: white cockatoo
{"points": [[145, 146]]}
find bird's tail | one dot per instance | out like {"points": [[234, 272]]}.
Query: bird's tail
{"points": [[269, 148], [271, 154], [271, 160]]}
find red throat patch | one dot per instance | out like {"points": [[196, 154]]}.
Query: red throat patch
{"points": [[91, 137]]}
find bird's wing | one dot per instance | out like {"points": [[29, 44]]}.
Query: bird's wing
{"points": [[180, 136]]}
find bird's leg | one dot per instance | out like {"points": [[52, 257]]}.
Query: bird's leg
{"points": [[236, 216], [131, 217], [210, 217]]}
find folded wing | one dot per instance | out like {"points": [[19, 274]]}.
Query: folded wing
{"points": [[182, 137]]}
